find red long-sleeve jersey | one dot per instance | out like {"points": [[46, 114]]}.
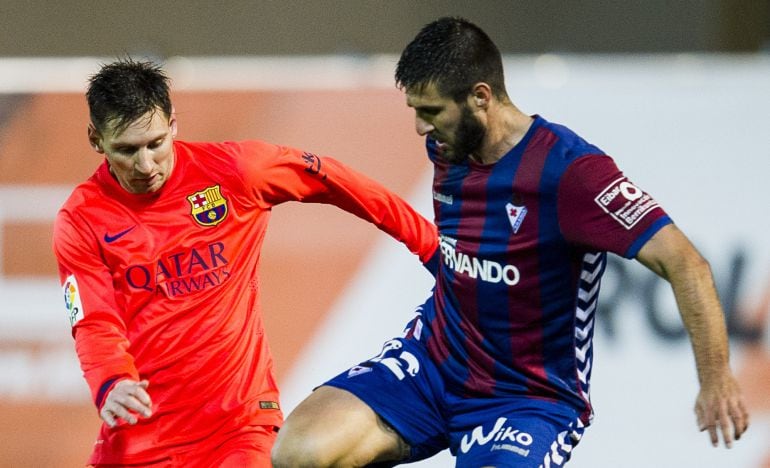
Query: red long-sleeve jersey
{"points": [[164, 286]]}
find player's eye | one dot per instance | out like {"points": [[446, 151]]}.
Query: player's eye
{"points": [[125, 150], [430, 111]]}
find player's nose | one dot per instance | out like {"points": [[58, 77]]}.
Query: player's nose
{"points": [[143, 163], [422, 127]]}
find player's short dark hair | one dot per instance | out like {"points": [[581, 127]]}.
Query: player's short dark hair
{"points": [[454, 54], [125, 90]]}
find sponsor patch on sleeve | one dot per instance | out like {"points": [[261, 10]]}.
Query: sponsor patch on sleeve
{"points": [[625, 202], [72, 300]]}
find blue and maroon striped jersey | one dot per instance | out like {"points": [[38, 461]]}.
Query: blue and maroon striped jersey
{"points": [[522, 245]]}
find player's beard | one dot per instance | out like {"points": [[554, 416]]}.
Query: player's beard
{"points": [[468, 137]]}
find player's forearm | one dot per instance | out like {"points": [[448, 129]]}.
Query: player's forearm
{"points": [[369, 200], [672, 256], [103, 355], [701, 312], [294, 175]]}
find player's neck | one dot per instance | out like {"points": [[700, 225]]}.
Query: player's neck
{"points": [[505, 129]]}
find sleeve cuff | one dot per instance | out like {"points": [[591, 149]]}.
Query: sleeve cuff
{"points": [[637, 245], [105, 388], [432, 263]]}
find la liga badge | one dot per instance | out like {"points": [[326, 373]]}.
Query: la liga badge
{"points": [[208, 207], [72, 300]]}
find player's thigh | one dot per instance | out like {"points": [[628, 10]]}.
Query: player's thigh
{"points": [[252, 449], [164, 462], [405, 389], [248, 446], [333, 426], [517, 437]]}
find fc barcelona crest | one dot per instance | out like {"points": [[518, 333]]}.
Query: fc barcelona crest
{"points": [[209, 207]]}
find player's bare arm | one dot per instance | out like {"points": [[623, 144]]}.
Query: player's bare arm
{"points": [[127, 400], [720, 405]]}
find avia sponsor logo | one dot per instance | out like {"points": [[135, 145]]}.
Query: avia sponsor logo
{"points": [[72, 300], [183, 273], [504, 438], [485, 270], [625, 202], [440, 197]]}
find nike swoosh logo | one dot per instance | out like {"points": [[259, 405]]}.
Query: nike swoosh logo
{"points": [[109, 239]]}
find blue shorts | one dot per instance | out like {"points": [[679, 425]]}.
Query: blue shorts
{"points": [[405, 388]]}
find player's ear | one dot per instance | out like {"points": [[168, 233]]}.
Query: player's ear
{"points": [[95, 138], [172, 123], [481, 95]]}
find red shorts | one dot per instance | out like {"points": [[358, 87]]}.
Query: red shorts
{"points": [[247, 447]]}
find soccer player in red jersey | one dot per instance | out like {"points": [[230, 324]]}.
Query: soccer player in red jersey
{"points": [[158, 254]]}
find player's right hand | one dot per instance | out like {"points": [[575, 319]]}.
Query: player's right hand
{"points": [[127, 400]]}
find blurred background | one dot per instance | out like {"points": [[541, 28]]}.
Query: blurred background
{"points": [[677, 92]]}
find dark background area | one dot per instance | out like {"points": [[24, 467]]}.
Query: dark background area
{"points": [[44, 28]]}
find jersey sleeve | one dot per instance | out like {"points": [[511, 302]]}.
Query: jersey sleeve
{"points": [[89, 301], [279, 174], [599, 208]]}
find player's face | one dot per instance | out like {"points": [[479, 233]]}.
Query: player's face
{"points": [[458, 132], [141, 157]]}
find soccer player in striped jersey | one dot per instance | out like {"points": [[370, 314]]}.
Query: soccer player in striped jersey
{"points": [[158, 255], [496, 365]]}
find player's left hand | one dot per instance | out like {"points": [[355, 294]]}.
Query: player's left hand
{"points": [[720, 408]]}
